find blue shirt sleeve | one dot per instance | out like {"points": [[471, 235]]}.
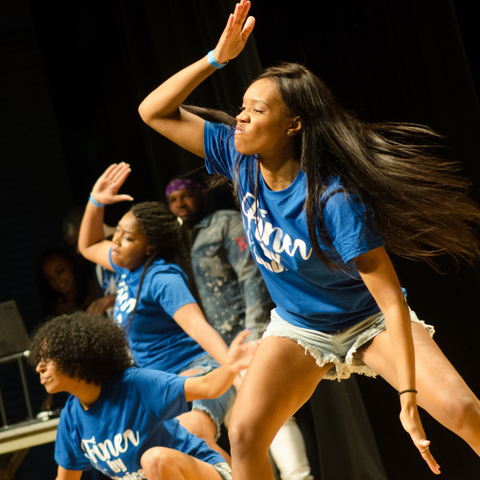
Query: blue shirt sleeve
{"points": [[170, 290], [162, 393], [219, 149], [67, 454], [350, 225]]}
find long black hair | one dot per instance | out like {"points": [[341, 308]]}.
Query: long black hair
{"points": [[421, 205], [170, 240]]}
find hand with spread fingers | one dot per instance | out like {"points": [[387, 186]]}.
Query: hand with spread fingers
{"points": [[106, 187], [241, 352], [236, 33]]}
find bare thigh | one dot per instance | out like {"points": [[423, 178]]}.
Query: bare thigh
{"points": [[279, 380], [436, 378]]}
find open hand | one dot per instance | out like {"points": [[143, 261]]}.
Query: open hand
{"points": [[412, 424], [102, 304], [236, 33], [240, 352], [106, 187]]}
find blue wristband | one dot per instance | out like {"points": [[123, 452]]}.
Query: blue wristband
{"points": [[91, 199], [213, 62]]}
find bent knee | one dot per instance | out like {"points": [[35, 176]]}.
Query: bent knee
{"points": [[463, 411], [199, 424], [242, 436], [468, 412], [158, 461]]}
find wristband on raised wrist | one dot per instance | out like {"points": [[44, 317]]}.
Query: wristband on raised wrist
{"points": [[213, 62], [97, 204]]}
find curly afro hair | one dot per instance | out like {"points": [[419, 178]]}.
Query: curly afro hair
{"points": [[82, 345]]}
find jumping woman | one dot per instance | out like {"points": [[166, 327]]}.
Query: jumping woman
{"points": [[323, 197]]}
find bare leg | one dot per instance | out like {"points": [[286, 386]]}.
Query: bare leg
{"points": [[201, 425], [441, 390], [160, 463], [279, 380]]}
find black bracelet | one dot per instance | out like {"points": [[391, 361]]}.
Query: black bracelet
{"points": [[406, 391]]}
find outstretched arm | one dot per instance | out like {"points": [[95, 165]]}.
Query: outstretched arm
{"points": [[215, 383], [380, 278], [91, 238], [161, 109], [193, 322]]}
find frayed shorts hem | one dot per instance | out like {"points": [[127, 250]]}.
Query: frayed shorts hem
{"points": [[202, 408], [224, 470], [339, 348]]}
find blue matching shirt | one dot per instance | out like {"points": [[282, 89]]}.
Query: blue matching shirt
{"points": [[135, 411], [306, 292], [155, 338]]}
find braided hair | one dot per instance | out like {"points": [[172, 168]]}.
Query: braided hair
{"points": [[170, 240]]}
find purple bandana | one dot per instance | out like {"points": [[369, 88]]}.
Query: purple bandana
{"points": [[182, 184]]}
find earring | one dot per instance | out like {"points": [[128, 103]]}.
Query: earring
{"points": [[289, 132]]}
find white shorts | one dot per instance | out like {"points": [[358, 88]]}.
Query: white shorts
{"points": [[339, 347]]}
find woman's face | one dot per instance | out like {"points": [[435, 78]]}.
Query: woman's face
{"points": [[52, 378], [130, 249], [262, 124], [60, 274]]}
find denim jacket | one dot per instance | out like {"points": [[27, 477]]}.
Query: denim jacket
{"points": [[230, 284]]}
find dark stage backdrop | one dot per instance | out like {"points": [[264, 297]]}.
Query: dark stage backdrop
{"points": [[73, 73]]}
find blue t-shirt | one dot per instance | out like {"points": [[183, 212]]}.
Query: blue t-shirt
{"points": [[155, 338], [306, 292], [135, 412]]}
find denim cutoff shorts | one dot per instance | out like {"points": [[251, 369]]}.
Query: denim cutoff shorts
{"points": [[224, 470], [217, 408], [338, 347]]}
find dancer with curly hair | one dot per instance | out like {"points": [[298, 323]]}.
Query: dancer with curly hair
{"points": [[323, 197], [120, 420]]}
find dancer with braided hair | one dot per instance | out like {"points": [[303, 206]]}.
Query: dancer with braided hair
{"points": [[323, 196], [157, 301]]}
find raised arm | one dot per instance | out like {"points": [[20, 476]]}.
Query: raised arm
{"points": [[91, 239], [215, 383], [380, 278], [161, 109]]}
